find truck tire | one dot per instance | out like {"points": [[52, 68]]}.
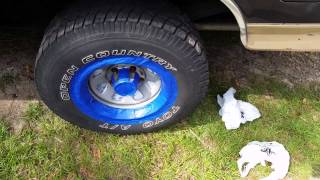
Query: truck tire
{"points": [[123, 67]]}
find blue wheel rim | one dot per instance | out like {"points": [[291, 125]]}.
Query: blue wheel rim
{"points": [[83, 99]]}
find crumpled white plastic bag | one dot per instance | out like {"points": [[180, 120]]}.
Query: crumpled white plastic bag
{"points": [[234, 112], [258, 153]]}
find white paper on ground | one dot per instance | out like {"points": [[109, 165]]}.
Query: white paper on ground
{"points": [[258, 153], [234, 112]]}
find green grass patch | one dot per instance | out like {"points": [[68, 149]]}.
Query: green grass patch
{"points": [[199, 147]]}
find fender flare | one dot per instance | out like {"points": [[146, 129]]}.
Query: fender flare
{"points": [[236, 11]]}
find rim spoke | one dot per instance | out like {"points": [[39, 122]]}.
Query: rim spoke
{"points": [[117, 97], [138, 95], [151, 76], [145, 90], [99, 82], [108, 91]]}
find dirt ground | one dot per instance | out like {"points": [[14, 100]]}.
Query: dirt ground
{"points": [[229, 62], [18, 48]]}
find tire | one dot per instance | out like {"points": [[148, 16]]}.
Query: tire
{"points": [[91, 47]]}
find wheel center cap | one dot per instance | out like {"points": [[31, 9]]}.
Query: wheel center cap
{"points": [[125, 89], [125, 82]]}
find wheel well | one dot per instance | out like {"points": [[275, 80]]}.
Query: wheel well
{"points": [[233, 7], [198, 10], [221, 12]]}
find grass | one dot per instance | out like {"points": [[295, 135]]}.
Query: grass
{"points": [[199, 147]]}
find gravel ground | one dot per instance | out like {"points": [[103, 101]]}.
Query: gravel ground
{"points": [[229, 62]]}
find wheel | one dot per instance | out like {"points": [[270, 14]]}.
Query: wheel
{"points": [[121, 68]]}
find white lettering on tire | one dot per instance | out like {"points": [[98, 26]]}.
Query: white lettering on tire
{"points": [[164, 117], [122, 52], [115, 126], [65, 81]]}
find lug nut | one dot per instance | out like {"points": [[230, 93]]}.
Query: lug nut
{"points": [[133, 69], [114, 70]]}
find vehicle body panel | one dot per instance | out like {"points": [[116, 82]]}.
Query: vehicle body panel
{"points": [[278, 25], [277, 11]]}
